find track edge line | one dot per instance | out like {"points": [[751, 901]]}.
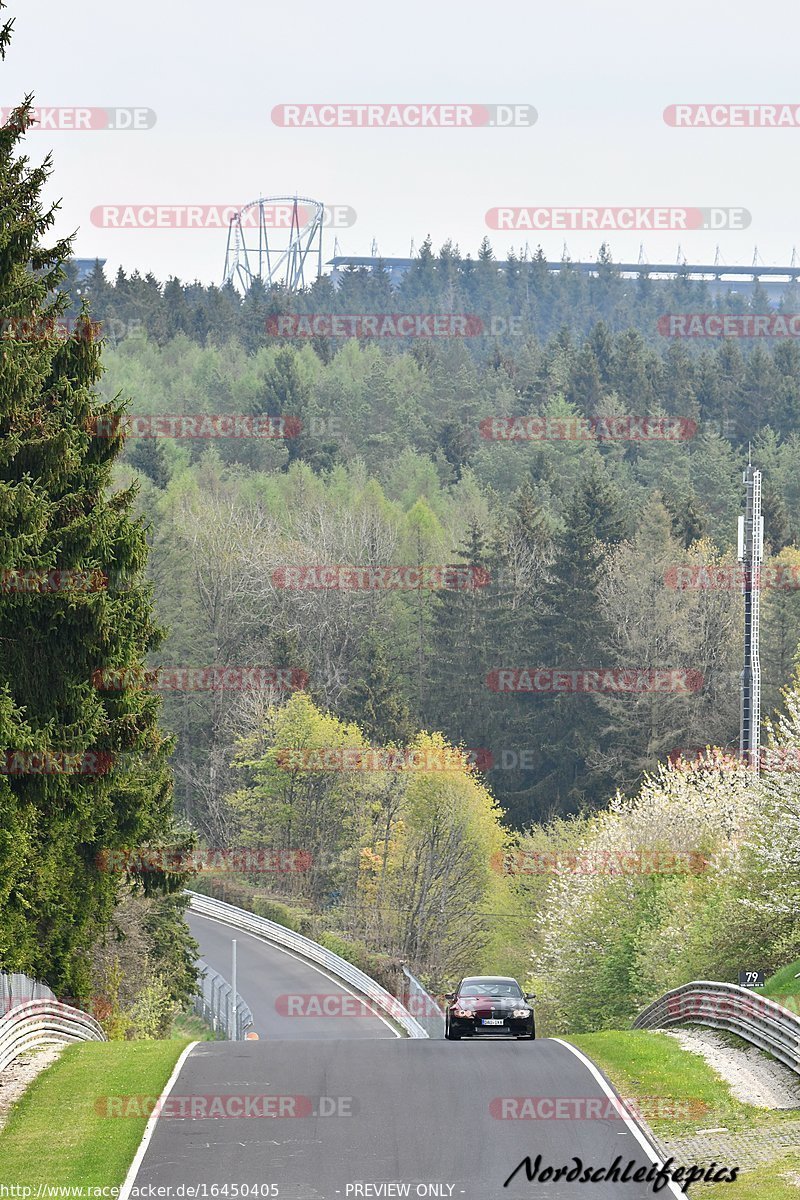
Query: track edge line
{"points": [[133, 1170], [642, 1137]]}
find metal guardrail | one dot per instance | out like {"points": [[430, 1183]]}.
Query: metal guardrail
{"points": [[421, 1004], [279, 935], [758, 1020], [19, 989], [214, 1003], [40, 1023]]}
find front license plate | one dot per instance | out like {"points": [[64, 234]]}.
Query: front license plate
{"points": [[491, 1021]]}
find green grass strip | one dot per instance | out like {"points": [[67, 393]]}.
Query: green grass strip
{"points": [[57, 1133], [652, 1069], [783, 983], [678, 1093], [189, 1027], [764, 1183]]}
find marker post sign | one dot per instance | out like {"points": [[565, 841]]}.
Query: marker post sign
{"points": [[751, 979]]}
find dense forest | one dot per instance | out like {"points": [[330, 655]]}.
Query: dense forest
{"points": [[580, 539], [591, 551], [427, 647]]}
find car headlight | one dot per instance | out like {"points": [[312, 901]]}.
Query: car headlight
{"points": [[521, 1012], [464, 1012]]}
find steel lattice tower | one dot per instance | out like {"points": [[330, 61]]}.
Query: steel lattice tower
{"points": [[751, 544]]}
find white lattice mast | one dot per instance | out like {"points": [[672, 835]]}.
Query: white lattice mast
{"points": [[751, 553]]}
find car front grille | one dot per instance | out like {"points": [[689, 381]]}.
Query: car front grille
{"points": [[496, 1014]]}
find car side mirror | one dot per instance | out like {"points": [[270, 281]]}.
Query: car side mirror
{"points": [[449, 995], [530, 995]]}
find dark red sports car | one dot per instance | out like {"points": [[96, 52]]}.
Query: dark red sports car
{"points": [[489, 1004]]}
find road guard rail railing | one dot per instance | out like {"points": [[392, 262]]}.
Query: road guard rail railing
{"points": [[214, 1003], [421, 1004], [279, 935], [40, 1022], [758, 1020]]}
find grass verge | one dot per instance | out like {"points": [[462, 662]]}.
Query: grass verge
{"points": [[766, 1184], [678, 1095], [191, 1028], [677, 1092], [783, 983], [90, 1149]]}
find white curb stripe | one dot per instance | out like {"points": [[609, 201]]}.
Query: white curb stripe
{"points": [[149, 1128], [627, 1118]]}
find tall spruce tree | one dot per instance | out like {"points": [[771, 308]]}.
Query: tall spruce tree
{"points": [[461, 648], [567, 729], [57, 514], [374, 699]]}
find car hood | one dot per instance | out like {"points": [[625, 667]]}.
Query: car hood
{"points": [[487, 1003]]}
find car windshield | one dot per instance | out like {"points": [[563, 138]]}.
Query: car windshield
{"points": [[490, 987]]}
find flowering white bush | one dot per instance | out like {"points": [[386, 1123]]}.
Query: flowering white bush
{"points": [[624, 919], [772, 844]]}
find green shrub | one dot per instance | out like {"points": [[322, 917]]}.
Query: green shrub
{"points": [[282, 914], [244, 895], [380, 967], [152, 1014]]}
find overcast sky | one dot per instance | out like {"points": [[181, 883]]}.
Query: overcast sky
{"points": [[598, 75]]}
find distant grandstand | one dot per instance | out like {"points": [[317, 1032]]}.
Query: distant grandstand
{"points": [[721, 278]]}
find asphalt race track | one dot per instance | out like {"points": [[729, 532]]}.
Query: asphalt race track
{"points": [[354, 1109], [265, 973]]}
